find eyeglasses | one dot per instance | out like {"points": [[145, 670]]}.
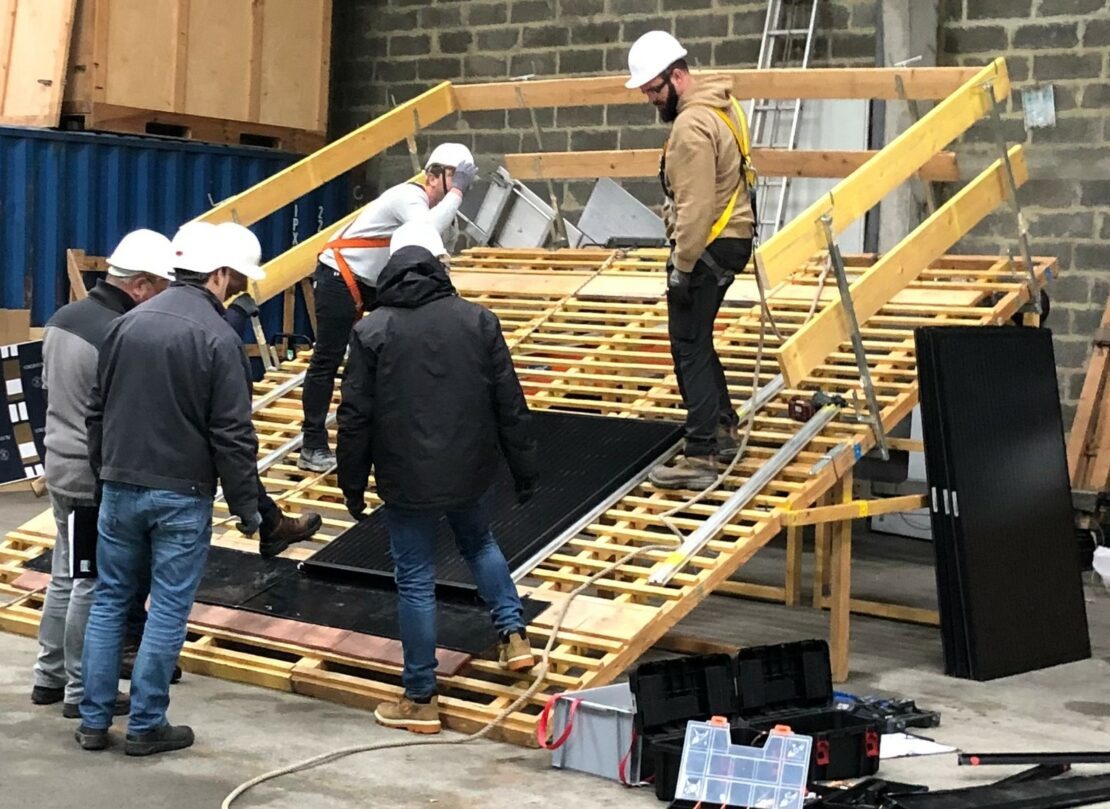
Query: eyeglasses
{"points": [[664, 80]]}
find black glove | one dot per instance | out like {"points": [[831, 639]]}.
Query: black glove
{"points": [[524, 490], [465, 175], [245, 304], [356, 505], [248, 527], [678, 286]]}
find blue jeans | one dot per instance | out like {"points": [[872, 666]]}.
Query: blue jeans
{"points": [[143, 532], [412, 536]]}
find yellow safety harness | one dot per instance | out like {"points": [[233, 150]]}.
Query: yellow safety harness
{"points": [[740, 133], [744, 144]]}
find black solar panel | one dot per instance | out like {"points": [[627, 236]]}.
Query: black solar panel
{"points": [[582, 460]]}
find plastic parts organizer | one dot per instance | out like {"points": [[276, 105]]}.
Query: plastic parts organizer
{"points": [[722, 774]]}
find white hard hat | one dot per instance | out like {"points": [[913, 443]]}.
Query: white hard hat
{"points": [[650, 55], [240, 249], [449, 154], [417, 234], [202, 247], [142, 251]]}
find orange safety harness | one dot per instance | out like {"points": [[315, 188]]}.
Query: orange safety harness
{"points": [[345, 272]]}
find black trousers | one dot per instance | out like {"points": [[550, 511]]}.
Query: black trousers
{"points": [[701, 378], [335, 317]]}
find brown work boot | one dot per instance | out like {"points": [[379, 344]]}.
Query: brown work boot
{"points": [[687, 472], [289, 531], [515, 652], [415, 717]]}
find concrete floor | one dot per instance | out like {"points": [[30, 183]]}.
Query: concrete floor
{"points": [[243, 731]]}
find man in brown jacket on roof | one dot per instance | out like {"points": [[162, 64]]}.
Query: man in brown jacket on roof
{"points": [[710, 223]]}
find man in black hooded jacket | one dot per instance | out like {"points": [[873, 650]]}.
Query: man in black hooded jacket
{"points": [[432, 403]]}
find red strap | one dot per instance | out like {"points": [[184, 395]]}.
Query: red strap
{"points": [[622, 768], [336, 246], [541, 725]]}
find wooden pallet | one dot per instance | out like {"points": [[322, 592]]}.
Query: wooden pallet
{"points": [[586, 339]]}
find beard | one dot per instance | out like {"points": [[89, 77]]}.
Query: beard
{"points": [[668, 110]]}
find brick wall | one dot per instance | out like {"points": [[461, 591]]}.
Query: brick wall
{"points": [[1065, 43], [402, 47], [398, 48]]}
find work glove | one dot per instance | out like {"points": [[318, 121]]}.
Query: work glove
{"points": [[678, 286], [465, 175], [250, 525], [356, 505], [245, 304], [525, 489]]}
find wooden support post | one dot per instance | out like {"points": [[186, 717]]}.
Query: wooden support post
{"points": [[289, 308], [821, 539], [75, 262], [840, 612], [794, 548]]}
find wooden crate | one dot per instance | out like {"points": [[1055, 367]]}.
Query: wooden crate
{"points": [[34, 43], [229, 71]]}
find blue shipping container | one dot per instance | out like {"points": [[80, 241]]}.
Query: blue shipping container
{"points": [[61, 190]]}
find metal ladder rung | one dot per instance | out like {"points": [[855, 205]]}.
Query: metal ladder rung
{"points": [[782, 32]]}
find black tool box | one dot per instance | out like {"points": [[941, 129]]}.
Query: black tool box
{"points": [[669, 693], [784, 684], [791, 684]]}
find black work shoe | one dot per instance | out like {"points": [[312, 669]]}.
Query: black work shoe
{"points": [[122, 707], [289, 531], [160, 740], [41, 695], [316, 460], [91, 738]]}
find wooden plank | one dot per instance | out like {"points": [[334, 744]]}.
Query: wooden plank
{"points": [[34, 53], [854, 510], [1093, 393], [799, 240], [337, 157], [867, 83], [809, 346], [74, 264], [497, 283], [628, 163], [218, 61]]}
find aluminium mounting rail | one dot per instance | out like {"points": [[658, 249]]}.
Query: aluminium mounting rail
{"points": [[677, 559]]}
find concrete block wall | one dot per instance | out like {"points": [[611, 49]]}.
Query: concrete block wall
{"points": [[394, 49], [399, 48], [1065, 43]]}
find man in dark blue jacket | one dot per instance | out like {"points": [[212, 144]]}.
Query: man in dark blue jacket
{"points": [[432, 403], [170, 417]]}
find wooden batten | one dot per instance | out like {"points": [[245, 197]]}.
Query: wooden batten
{"points": [[630, 163]]}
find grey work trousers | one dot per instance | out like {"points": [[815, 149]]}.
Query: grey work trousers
{"points": [[65, 613]]}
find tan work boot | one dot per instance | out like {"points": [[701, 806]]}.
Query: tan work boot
{"points": [[415, 717], [515, 652], [688, 472]]}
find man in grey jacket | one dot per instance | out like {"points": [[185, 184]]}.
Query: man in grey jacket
{"points": [[139, 268], [170, 416]]}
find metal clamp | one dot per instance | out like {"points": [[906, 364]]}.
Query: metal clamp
{"points": [[875, 413], [1011, 185]]}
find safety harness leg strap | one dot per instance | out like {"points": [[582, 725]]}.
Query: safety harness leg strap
{"points": [[337, 246]]}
